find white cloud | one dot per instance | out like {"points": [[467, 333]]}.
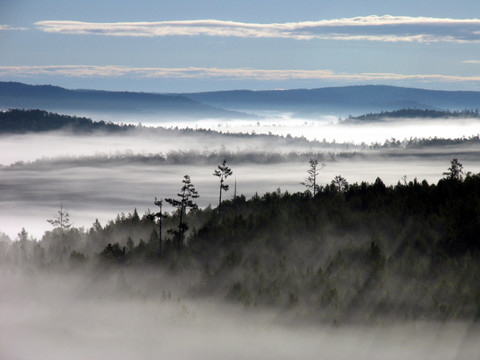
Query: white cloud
{"points": [[471, 62], [11, 28], [371, 28], [110, 71]]}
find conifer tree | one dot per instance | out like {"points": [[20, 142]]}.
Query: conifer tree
{"points": [[62, 220], [186, 195], [455, 171], [159, 216], [222, 172], [311, 181]]}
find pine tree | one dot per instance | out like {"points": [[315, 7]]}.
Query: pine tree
{"points": [[186, 195], [222, 172], [311, 181], [62, 220], [159, 216], [455, 171]]}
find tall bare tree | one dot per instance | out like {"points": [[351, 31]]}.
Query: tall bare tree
{"points": [[62, 220], [222, 172], [183, 204], [159, 216], [311, 181]]}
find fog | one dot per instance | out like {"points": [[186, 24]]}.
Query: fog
{"points": [[331, 128], [31, 147], [29, 197], [100, 175], [324, 126], [109, 316], [121, 315]]}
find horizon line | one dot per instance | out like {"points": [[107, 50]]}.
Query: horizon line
{"points": [[232, 89]]}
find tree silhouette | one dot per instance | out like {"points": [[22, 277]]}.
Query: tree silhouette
{"points": [[186, 195], [22, 236], [222, 172], [159, 215], [62, 220], [455, 171], [340, 183], [311, 180]]}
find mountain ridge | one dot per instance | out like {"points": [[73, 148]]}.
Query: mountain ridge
{"points": [[234, 104], [358, 99], [58, 99]]}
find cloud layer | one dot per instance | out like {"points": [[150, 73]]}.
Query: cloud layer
{"points": [[110, 71], [370, 28]]}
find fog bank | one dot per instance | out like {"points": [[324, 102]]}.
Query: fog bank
{"points": [[331, 129], [64, 317], [103, 191], [100, 175]]}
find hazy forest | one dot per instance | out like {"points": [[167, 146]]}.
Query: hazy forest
{"points": [[239, 180], [296, 249], [340, 252]]}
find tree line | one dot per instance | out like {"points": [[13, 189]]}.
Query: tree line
{"points": [[24, 121], [333, 252], [415, 113]]}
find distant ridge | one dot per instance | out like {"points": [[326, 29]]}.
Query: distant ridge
{"points": [[57, 99], [234, 104], [412, 114], [340, 100]]}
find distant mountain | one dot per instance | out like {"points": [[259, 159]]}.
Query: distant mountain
{"points": [[355, 100], [338, 101], [88, 102]]}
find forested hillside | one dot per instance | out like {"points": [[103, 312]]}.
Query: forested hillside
{"points": [[350, 252], [21, 121], [413, 114], [24, 121]]}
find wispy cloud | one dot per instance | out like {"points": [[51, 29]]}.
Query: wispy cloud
{"points": [[110, 71], [471, 62], [371, 28], [11, 28]]}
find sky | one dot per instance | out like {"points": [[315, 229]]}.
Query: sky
{"points": [[203, 45]]}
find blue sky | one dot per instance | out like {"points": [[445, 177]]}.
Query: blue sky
{"points": [[185, 45]]}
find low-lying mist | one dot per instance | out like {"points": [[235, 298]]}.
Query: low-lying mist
{"points": [[98, 175], [108, 316], [100, 188], [331, 128], [143, 309], [30, 147]]}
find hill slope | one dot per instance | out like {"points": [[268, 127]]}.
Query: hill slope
{"points": [[348, 100], [352, 253], [340, 100], [57, 99]]}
